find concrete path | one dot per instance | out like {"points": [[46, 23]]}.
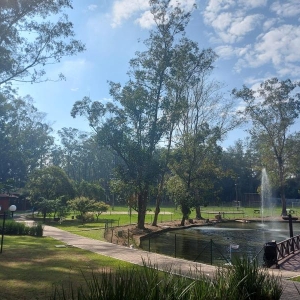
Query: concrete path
{"points": [[162, 262]]}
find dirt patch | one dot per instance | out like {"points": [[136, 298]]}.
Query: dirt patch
{"points": [[130, 235]]}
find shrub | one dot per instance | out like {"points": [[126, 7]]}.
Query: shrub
{"points": [[86, 217], [18, 228], [235, 283]]}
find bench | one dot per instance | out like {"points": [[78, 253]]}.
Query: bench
{"points": [[256, 211]]}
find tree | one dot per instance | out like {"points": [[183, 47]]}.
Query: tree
{"points": [[45, 206], [30, 39], [195, 162], [25, 139], [99, 208], [241, 170], [91, 190], [273, 108], [82, 205], [140, 121], [83, 159], [49, 183]]}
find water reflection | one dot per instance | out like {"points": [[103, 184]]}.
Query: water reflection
{"points": [[195, 243]]}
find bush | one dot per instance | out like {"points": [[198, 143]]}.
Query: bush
{"points": [[18, 228], [244, 280], [87, 217]]}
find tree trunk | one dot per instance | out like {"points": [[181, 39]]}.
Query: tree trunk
{"points": [[142, 207], [157, 211], [162, 181], [282, 186], [198, 213], [182, 221], [282, 195], [158, 200]]}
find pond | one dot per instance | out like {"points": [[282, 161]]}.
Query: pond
{"points": [[211, 244]]}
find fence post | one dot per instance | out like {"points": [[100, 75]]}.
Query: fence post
{"points": [[112, 234], [149, 244], [175, 245], [211, 259]]}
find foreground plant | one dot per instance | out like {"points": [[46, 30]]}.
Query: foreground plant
{"points": [[244, 280]]}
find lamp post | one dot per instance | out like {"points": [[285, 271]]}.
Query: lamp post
{"points": [[2, 235], [12, 209]]}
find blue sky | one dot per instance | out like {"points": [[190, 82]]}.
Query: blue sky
{"points": [[255, 40]]}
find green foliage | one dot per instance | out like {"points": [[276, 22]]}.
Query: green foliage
{"points": [[29, 39], [273, 108], [49, 183], [90, 190], [25, 140], [99, 208], [195, 164], [134, 127], [243, 281], [84, 206], [18, 228]]}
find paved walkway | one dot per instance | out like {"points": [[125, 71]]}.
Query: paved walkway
{"points": [[163, 262]]}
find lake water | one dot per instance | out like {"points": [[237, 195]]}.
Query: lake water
{"points": [[211, 244]]}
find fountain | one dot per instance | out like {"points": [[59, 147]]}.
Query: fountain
{"points": [[265, 193]]}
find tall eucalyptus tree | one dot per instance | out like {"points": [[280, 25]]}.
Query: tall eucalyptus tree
{"points": [[273, 108], [148, 106]]}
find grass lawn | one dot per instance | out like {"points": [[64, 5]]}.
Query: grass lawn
{"points": [[95, 229], [29, 266]]}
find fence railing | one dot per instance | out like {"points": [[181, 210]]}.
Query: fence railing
{"points": [[287, 247]]}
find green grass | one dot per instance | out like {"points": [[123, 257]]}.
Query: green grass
{"points": [[95, 229], [30, 266]]}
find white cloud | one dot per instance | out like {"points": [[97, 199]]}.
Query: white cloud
{"points": [[92, 7], [230, 19], [278, 47], [267, 33], [222, 21], [124, 9], [289, 8], [269, 23], [252, 3], [244, 25], [225, 52], [186, 5], [228, 51], [146, 20]]}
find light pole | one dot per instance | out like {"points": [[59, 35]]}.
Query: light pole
{"points": [[12, 209], [2, 235]]}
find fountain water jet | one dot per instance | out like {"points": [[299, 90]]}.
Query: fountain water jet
{"points": [[265, 192]]}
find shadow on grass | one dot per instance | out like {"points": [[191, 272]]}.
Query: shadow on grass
{"points": [[30, 266]]}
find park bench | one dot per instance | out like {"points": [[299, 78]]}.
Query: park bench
{"points": [[256, 211]]}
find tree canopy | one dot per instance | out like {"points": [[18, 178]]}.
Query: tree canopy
{"points": [[50, 183], [273, 108], [34, 33], [149, 100]]}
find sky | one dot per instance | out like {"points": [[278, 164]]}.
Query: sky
{"points": [[254, 39]]}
